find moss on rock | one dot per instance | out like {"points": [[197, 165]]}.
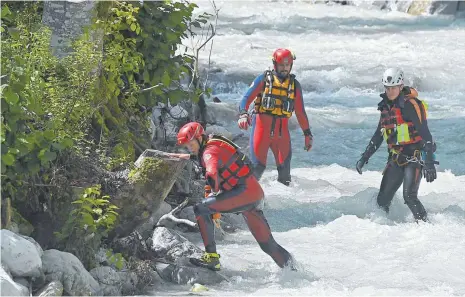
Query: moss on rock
{"points": [[149, 184]]}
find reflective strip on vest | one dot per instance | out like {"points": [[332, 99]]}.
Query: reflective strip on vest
{"points": [[403, 133]]}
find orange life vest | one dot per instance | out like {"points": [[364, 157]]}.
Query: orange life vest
{"points": [[277, 98]]}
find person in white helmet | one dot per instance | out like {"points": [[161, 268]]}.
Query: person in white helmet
{"points": [[403, 125]]}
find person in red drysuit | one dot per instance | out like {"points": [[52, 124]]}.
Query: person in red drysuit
{"points": [[276, 95], [234, 190]]}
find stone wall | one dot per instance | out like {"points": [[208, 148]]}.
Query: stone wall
{"points": [[66, 19]]}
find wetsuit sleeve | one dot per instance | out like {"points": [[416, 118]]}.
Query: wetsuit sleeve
{"points": [[377, 138], [255, 88], [415, 114], [210, 158], [375, 142], [300, 108]]}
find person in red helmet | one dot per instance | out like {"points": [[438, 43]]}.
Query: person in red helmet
{"points": [[234, 190], [276, 96]]}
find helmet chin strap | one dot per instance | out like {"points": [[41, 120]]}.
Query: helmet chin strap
{"points": [[201, 143]]}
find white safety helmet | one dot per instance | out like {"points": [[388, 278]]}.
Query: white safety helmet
{"points": [[393, 77]]}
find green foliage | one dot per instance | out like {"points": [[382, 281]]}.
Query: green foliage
{"points": [[164, 25], [122, 60], [29, 140], [142, 66], [151, 169], [117, 86], [92, 98], [91, 220], [115, 259], [92, 102]]}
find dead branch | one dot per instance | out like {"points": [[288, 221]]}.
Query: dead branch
{"points": [[196, 50], [149, 88], [170, 216], [211, 44]]}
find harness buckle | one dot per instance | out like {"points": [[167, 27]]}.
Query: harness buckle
{"points": [[415, 158]]}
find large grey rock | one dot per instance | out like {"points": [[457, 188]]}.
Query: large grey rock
{"points": [[37, 245], [221, 113], [67, 269], [140, 197], [115, 283], [197, 192], [53, 288], [171, 246], [133, 245], [22, 281], [146, 228], [146, 275], [19, 255], [182, 272], [219, 130], [9, 287]]}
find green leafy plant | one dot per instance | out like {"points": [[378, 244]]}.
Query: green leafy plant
{"points": [[91, 220], [29, 140], [115, 259], [164, 25], [91, 105]]}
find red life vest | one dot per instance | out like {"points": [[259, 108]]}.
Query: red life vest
{"points": [[235, 168]]}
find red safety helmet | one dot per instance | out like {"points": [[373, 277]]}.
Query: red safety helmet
{"points": [[281, 54], [189, 131]]}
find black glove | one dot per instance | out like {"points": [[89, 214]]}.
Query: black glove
{"points": [[308, 140], [429, 170], [369, 151], [361, 163]]}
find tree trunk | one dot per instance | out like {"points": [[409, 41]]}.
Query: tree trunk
{"points": [[66, 20]]}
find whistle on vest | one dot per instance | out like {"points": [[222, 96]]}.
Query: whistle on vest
{"points": [[215, 216]]}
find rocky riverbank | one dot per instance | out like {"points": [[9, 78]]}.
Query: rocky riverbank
{"points": [[146, 246]]}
